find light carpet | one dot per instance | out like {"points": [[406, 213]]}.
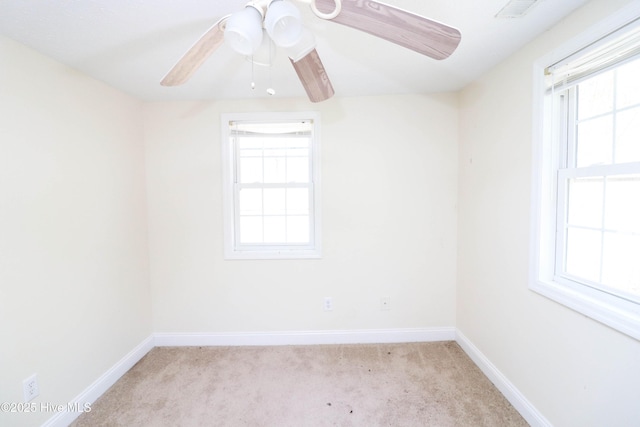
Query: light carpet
{"points": [[414, 384]]}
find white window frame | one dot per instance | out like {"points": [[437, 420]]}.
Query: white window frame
{"points": [[613, 310], [232, 248]]}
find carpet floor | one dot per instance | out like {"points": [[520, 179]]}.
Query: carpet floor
{"points": [[414, 384]]}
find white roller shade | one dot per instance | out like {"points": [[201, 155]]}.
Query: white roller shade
{"points": [[613, 49]]}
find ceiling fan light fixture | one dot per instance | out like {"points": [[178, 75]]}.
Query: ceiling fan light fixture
{"points": [[283, 22], [306, 43], [243, 31], [265, 54]]}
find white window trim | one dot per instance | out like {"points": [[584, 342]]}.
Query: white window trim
{"points": [[616, 312], [230, 252]]}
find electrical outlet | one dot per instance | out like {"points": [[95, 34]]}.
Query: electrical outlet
{"points": [[385, 303], [30, 388], [328, 304]]}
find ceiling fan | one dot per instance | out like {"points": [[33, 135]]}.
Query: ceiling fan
{"points": [[243, 31]]}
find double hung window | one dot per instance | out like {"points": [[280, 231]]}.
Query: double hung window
{"points": [[587, 233], [271, 185]]}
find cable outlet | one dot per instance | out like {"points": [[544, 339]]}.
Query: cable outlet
{"points": [[30, 388], [385, 303], [328, 304]]}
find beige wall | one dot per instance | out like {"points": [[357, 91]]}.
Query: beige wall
{"points": [[574, 370], [74, 288], [86, 170], [389, 221]]}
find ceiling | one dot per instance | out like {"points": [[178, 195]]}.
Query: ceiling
{"points": [[132, 44]]}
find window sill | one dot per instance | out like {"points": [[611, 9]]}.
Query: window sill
{"points": [[282, 254], [621, 315]]}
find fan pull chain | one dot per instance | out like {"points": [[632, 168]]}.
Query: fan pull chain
{"points": [[253, 79], [270, 90]]}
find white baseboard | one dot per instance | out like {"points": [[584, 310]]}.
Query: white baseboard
{"points": [[102, 384], [513, 395], [373, 336]]}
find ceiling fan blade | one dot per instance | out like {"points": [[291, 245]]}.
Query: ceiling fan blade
{"points": [[195, 56], [415, 32], [313, 77]]}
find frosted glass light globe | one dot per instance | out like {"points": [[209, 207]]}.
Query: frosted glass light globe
{"points": [[283, 22], [243, 31]]}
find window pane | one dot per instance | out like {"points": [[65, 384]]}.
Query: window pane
{"points": [[275, 229], [595, 96], [298, 148], [250, 201], [583, 253], [270, 172], [595, 141], [628, 136], [274, 201], [623, 204], [275, 147], [274, 143], [297, 152], [298, 229], [297, 201], [274, 170], [620, 266], [587, 242], [628, 92], [250, 170], [298, 169], [250, 143], [251, 152], [585, 202], [299, 143], [250, 229]]}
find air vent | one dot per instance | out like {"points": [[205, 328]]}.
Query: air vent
{"points": [[516, 8]]}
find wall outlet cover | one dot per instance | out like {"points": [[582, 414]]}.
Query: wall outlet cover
{"points": [[30, 388]]}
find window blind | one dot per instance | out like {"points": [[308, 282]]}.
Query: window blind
{"points": [[302, 127], [611, 50]]}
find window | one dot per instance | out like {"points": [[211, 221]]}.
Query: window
{"points": [[271, 169], [586, 232]]}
